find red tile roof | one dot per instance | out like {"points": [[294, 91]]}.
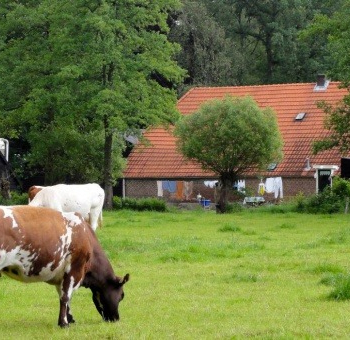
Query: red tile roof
{"points": [[161, 160]]}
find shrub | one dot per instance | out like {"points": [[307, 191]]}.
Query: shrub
{"points": [[341, 187], [117, 203], [234, 207], [327, 201], [300, 202], [16, 199], [139, 204]]}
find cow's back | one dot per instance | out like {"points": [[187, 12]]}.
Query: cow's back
{"points": [[78, 195], [36, 243], [82, 198]]}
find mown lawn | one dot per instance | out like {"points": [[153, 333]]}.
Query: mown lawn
{"points": [[199, 275]]}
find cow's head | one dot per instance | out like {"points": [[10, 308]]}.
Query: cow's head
{"points": [[107, 298]]}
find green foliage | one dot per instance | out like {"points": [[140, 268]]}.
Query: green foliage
{"points": [[329, 201], [16, 199], [233, 207], [77, 76], [268, 48], [341, 187], [333, 29], [117, 203], [139, 204], [337, 121], [282, 208], [228, 137], [207, 55]]}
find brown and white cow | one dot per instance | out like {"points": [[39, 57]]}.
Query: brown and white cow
{"points": [[40, 244], [86, 199]]}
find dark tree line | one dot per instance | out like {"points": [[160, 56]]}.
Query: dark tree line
{"points": [[242, 42]]}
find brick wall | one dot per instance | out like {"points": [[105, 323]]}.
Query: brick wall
{"points": [[148, 188], [140, 188]]}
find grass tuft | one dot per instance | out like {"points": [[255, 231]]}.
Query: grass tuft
{"points": [[341, 289], [286, 226], [326, 268], [229, 228], [243, 277]]}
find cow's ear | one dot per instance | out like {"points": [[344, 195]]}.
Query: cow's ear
{"points": [[124, 279]]}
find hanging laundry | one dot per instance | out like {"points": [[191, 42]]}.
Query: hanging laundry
{"points": [[169, 186], [278, 187], [269, 185], [241, 185], [261, 188], [210, 184], [159, 189], [179, 190], [274, 185], [188, 189]]}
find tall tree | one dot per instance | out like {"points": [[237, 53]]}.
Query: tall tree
{"points": [[337, 121], [335, 30], [229, 137], [267, 35], [207, 55], [89, 72]]}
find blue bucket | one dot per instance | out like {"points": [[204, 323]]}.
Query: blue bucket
{"points": [[205, 203]]}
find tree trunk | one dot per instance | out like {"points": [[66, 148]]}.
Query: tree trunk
{"points": [[5, 188], [223, 193], [269, 58], [108, 176]]}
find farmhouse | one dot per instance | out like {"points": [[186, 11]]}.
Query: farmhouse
{"points": [[158, 169]]}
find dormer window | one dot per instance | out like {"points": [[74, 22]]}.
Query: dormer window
{"points": [[322, 83]]}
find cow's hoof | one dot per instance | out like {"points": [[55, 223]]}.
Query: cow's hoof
{"points": [[64, 325], [70, 318]]}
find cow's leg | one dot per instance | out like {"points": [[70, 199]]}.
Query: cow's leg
{"points": [[71, 281], [65, 291], [93, 218]]}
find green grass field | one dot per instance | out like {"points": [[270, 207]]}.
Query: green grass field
{"points": [[199, 275]]}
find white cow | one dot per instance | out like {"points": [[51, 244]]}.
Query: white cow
{"points": [[86, 199]]}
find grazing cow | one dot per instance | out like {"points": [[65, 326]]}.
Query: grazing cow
{"points": [[86, 199], [44, 245]]}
